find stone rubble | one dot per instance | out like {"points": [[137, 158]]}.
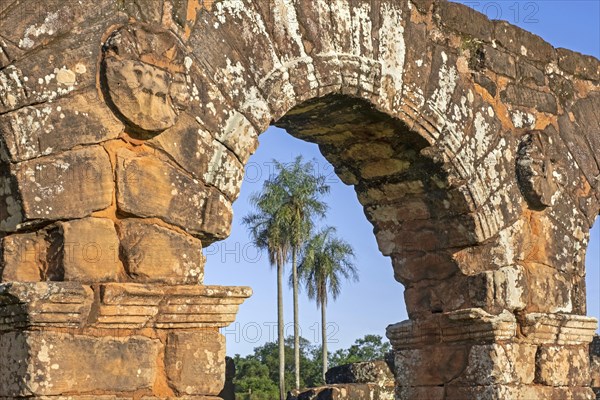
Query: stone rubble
{"points": [[359, 381]]}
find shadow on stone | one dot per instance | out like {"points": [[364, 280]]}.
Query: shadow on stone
{"points": [[13, 344]]}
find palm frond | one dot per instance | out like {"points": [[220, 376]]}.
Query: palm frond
{"points": [[286, 208], [326, 262]]}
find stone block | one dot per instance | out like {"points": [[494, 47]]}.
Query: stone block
{"points": [[579, 64], [453, 328], [354, 391], [431, 234], [195, 362], [239, 135], [72, 305], [431, 365], [63, 64], [84, 397], [485, 82], [563, 366], [549, 290], [586, 115], [23, 257], [221, 53], [417, 266], [13, 364], [46, 128], [465, 20], [511, 287], [523, 43], [44, 304], [152, 253], [499, 61], [563, 88], [61, 363], [212, 110], [89, 250], [523, 392], [506, 288], [488, 392], [363, 372], [529, 74], [182, 397], [527, 97], [558, 328], [203, 156], [69, 185], [11, 214], [150, 187], [450, 293], [17, 23], [579, 145], [492, 364], [420, 392], [423, 5]]}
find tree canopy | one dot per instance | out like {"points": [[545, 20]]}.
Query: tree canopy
{"points": [[257, 374], [368, 348]]}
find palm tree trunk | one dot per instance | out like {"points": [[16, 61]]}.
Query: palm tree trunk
{"points": [[280, 337], [324, 334], [296, 324]]}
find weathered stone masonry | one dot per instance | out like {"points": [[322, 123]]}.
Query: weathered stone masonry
{"points": [[125, 126]]}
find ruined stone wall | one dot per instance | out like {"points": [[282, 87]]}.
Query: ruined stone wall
{"points": [[358, 381], [113, 341], [473, 146]]}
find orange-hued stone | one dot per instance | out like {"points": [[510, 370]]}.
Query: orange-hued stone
{"points": [[125, 130]]}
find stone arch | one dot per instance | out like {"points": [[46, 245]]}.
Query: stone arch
{"points": [[370, 67], [472, 144]]}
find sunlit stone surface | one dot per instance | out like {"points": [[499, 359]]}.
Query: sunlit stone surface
{"points": [[124, 128]]}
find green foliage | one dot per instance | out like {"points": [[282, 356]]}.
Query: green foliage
{"points": [[253, 378], [266, 225], [285, 209], [369, 348], [326, 262], [257, 374], [299, 191], [283, 220]]}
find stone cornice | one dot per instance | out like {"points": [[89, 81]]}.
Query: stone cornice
{"points": [[476, 325], [117, 305]]}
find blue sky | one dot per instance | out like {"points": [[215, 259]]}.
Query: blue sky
{"points": [[377, 300]]}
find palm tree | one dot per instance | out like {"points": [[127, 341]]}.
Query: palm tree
{"points": [[268, 232], [301, 190], [286, 207], [326, 261]]}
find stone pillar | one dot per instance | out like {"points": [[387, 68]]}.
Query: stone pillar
{"points": [[101, 235], [470, 354], [67, 340], [493, 314]]}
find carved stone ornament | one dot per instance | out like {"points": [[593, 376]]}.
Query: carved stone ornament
{"points": [[143, 78], [535, 170]]}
